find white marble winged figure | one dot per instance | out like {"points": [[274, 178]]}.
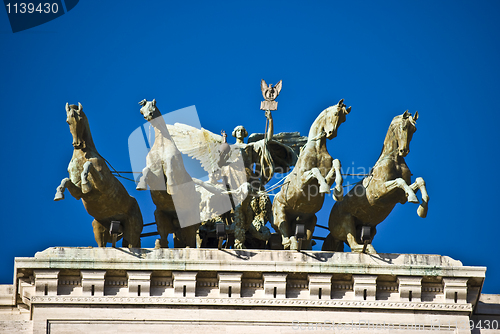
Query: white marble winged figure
{"points": [[222, 162], [205, 146]]}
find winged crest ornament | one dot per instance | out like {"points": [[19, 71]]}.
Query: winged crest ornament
{"points": [[270, 93]]}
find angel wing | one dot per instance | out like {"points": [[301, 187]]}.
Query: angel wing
{"points": [[291, 139], [263, 87], [200, 144], [278, 87]]}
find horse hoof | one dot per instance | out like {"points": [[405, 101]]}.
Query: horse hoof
{"points": [[238, 245], [161, 243], [370, 249], [59, 196], [338, 195], [286, 243], [141, 186], [422, 210], [356, 249], [293, 243], [86, 188], [413, 199]]}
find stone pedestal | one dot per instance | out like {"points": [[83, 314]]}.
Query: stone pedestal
{"points": [[99, 290]]}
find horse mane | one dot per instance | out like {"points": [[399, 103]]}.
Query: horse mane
{"points": [[320, 117], [87, 136]]}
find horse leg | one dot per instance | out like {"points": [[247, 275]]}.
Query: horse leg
{"points": [[422, 208], [240, 224], [316, 173], [73, 190], [189, 235], [400, 183], [60, 190], [177, 236], [281, 223], [309, 223], [198, 237], [165, 226], [343, 227], [101, 233], [143, 180], [369, 247], [88, 167], [133, 227], [335, 175], [332, 245], [86, 187]]}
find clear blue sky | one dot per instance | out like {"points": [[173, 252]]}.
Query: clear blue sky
{"points": [[383, 57]]}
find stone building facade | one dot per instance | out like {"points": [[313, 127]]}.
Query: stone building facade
{"points": [[106, 290]]}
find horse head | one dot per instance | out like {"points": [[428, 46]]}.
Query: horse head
{"points": [[78, 124], [403, 127], [149, 110], [334, 116]]}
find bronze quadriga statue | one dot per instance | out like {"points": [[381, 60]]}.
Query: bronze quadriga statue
{"points": [[90, 180], [370, 201], [302, 194], [238, 173]]}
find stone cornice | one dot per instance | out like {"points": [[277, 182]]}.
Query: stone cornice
{"points": [[248, 260], [195, 301]]}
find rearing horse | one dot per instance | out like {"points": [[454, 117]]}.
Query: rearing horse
{"points": [[302, 194], [371, 200], [90, 179], [172, 188]]}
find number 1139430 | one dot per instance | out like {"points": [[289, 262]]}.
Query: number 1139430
{"points": [[30, 8]]}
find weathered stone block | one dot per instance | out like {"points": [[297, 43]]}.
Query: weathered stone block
{"points": [[184, 283], [365, 287], [410, 288], [320, 286], [230, 284], [93, 282], [46, 282], [275, 285], [139, 283]]}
